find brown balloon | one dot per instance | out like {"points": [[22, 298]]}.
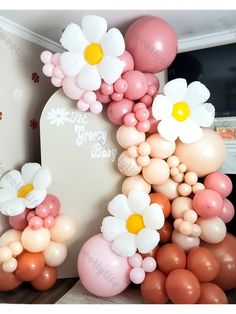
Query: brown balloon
{"points": [[29, 265], [169, 257], [203, 264], [8, 281], [183, 287], [153, 288], [46, 279], [166, 232], [225, 253], [212, 294], [152, 253], [161, 200]]}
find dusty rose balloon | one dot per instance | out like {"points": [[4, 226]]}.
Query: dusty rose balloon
{"points": [[128, 165], [208, 203], [127, 60], [157, 172], [213, 229], [55, 254], [10, 236], [71, 88], [228, 211], [137, 85], [180, 205], [135, 183], [219, 182], [118, 109], [169, 189], [19, 222], [212, 294], [186, 242], [204, 156], [35, 240], [160, 148], [129, 136], [63, 229]]}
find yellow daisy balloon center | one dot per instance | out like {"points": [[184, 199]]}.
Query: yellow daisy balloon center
{"points": [[25, 190], [135, 223], [93, 53], [181, 111]]}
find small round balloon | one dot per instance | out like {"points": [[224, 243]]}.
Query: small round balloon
{"points": [[219, 182]]}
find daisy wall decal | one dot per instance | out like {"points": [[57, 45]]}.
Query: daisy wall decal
{"points": [[57, 116]]}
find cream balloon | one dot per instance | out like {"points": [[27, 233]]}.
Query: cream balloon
{"points": [[10, 236], [55, 254], [135, 183], [160, 148], [204, 156], [169, 189], [35, 240], [157, 172], [128, 165], [10, 266], [187, 243], [129, 136], [63, 229], [180, 205], [5, 254], [213, 229]]}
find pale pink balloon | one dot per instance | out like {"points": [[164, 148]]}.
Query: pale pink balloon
{"points": [[10, 236], [135, 183], [160, 148], [19, 222], [89, 97], [46, 57], [213, 229], [180, 205], [101, 271], [127, 165], [64, 228], [48, 69], [35, 240], [208, 203], [149, 264], [82, 105], [56, 58], [228, 211], [129, 136], [137, 275], [127, 60], [58, 73], [186, 242], [219, 182], [55, 254], [135, 260], [56, 82], [137, 85], [157, 172], [169, 189], [71, 89], [96, 107], [118, 109]]}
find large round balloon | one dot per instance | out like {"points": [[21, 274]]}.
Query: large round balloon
{"points": [[204, 156], [29, 266], [8, 281], [212, 294], [101, 270], [152, 43], [225, 253], [46, 279]]}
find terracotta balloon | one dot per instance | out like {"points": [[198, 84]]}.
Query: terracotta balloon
{"points": [[169, 257], [128, 165], [129, 136], [203, 264], [213, 229], [63, 229], [186, 242], [35, 240], [180, 205], [29, 266], [169, 189], [55, 254], [212, 294], [157, 172], [8, 281], [161, 200], [153, 288], [160, 148], [46, 279], [10, 236], [204, 156], [135, 183], [225, 253], [183, 287], [165, 232]]}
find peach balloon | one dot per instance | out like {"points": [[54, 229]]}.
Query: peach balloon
{"points": [[179, 177], [10, 236], [35, 240], [135, 183], [190, 215], [160, 148], [191, 178], [55, 254], [173, 161], [213, 229], [186, 242], [10, 266], [129, 136], [184, 189], [157, 172], [169, 189], [63, 229], [180, 205], [127, 165], [204, 156], [198, 187]]}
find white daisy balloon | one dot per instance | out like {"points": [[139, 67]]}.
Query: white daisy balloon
{"points": [[183, 110], [133, 224], [25, 189], [92, 52]]}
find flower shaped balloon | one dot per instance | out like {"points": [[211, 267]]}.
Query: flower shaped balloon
{"points": [[25, 189], [133, 224], [92, 52], [183, 110]]}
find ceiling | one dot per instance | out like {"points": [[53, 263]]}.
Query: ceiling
{"points": [[186, 23]]}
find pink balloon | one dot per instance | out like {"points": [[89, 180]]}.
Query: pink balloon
{"points": [[30, 215], [153, 122], [96, 107], [120, 86], [117, 96], [19, 222], [152, 90], [135, 260], [152, 80], [228, 211], [46, 57], [147, 100], [35, 223], [48, 222], [58, 73], [82, 105], [48, 69], [149, 264], [104, 99], [137, 85], [107, 89], [101, 271], [128, 61], [152, 43], [130, 119], [137, 275], [71, 89], [53, 204], [219, 182], [56, 82], [56, 58], [89, 97], [118, 109], [208, 203], [42, 211], [143, 126], [142, 114]]}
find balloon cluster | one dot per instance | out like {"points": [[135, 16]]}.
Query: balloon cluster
{"points": [[35, 246]]}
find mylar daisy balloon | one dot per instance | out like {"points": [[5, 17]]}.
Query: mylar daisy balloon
{"points": [[25, 189], [133, 224], [92, 52], [183, 110]]}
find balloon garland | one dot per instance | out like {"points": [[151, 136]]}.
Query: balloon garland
{"points": [[166, 231]]}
